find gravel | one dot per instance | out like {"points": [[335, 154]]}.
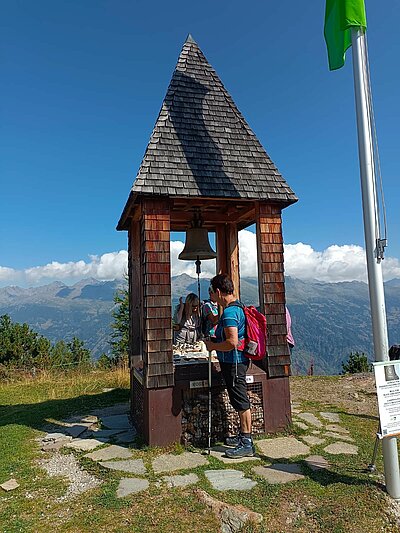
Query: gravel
{"points": [[67, 466]]}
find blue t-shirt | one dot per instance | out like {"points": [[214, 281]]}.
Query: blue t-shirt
{"points": [[232, 317], [209, 307]]}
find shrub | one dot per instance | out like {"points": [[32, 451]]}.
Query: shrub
{"points": [[356, 363]]}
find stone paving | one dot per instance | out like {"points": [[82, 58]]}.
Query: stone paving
{"points": [[171, 463], [84, 445], [331, 417], [181, 481], [229, 480], [111, 452], [282, 447], [109, 437], [341, 448], [133, 466], [280, 472], [338, 436], [131, 485], [317, 462], [312, 440], [309, 418]]}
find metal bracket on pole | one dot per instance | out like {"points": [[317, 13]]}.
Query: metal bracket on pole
{"points": [[380, 249]]}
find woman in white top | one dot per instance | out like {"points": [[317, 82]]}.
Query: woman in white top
{"points": [[187, 320]]}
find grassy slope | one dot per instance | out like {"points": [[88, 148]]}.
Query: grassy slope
{"points": [[344, 499]]}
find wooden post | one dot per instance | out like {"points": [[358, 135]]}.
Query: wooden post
{"points": [[157, 342], [271, 283], [228, 253], [135, 293], [220, 237]]}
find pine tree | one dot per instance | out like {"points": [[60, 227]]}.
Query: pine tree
{"points": [[78, 354], [60, 354], [356, 363], [120, 334]]}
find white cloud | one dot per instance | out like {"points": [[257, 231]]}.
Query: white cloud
{"points": [[188, 267], [105, 267], [7, 274], [248, 254], [334, 264]]}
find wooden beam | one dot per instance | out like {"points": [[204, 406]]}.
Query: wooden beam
{"points": [[233, 256], [222, 261], [228, 253], [135, 293]]}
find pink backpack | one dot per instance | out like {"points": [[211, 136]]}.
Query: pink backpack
{"points": [[254, 345]]}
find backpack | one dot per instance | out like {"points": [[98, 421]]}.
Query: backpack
{"points": [[254, 344]]}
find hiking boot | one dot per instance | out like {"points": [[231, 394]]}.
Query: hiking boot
{"points": [[233, 441], [245, 448]]}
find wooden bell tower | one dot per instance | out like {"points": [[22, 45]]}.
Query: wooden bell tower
{"points": [[202, 156]]}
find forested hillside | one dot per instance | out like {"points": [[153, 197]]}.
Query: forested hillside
{"points": [[329, 319]]}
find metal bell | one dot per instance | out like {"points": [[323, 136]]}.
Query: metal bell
{"points": [[197, 245]]}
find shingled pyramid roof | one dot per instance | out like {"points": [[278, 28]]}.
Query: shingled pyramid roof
{"points": [[202, 146]]}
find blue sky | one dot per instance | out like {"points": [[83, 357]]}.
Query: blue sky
{"points": [[82, 84]]}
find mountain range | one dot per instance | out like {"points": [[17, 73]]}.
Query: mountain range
{"points": [[329, 319]]}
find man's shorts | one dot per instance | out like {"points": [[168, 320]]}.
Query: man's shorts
{"points": [[236, 384]]}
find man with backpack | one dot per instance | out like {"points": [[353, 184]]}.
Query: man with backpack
{"points": [[229, 345]]}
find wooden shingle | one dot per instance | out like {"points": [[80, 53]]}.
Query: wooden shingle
{"points": [[202, 146]]}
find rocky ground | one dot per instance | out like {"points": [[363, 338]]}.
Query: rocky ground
{"points": [[353, 392]]}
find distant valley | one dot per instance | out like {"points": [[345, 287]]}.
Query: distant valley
{"points": [[329, 319]]}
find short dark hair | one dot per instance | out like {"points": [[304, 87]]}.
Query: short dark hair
{"points": [[222, 282]]}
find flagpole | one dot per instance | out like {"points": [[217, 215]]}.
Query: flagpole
{"points": [[371, 233]]}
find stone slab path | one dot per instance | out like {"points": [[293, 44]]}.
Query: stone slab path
{"points": [[331, 417], [337, 429], [116, 422], [229, 480], [183, 461], [111, 431], [280, 472], [133, 466], [338, 436], [105, 433], [312, 440], [181, 481], [126, 437], [282, 447], [317, 462], [84, 445], [112, 452], [310, 419], [338, 448], [131, 485]]}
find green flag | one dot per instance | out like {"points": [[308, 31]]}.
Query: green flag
{"points": [[340, 17]]}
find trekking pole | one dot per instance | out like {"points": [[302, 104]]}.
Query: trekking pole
{"points": [[372, 466], [209, 402]]}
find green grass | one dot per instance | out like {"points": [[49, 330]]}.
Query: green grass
{"points": [[344, 499]]}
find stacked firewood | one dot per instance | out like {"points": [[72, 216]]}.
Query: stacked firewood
{"points": [[225, 420]]}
